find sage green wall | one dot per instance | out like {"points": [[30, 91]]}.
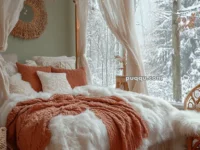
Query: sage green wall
{"points": [[72, 28], [58, 37]]}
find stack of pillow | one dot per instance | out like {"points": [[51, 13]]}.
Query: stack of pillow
{"points": [[56, 75]]}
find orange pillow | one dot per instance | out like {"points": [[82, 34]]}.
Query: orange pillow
{"points": [[29, 74], [76, 77]]}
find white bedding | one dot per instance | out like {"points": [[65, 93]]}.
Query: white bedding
{"points": [[87, 132]]}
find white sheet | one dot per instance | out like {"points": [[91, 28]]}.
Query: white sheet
{"points": [[87, 132]]}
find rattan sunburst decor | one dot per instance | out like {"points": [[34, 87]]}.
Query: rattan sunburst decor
{"points": [[34, 28]]}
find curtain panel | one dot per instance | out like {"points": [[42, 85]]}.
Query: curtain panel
{"points": [[81, 28], [9, 16], [4, 84], [119, 15]]}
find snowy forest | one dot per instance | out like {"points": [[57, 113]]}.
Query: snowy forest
{"points": [[102, 47], [157, 50], [154, 28]]}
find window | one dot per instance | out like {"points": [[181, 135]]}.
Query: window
{"points": [[154, 30], [154, 25], [102, 47]]}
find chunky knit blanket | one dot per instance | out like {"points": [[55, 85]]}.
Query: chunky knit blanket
{"points": [[28, 121]]}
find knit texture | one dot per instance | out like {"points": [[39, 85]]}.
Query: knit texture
{"points": [[27, 123]]}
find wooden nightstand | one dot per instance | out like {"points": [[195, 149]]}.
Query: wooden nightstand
{"points": [[121, 83], [191, 102], [3, 138]]}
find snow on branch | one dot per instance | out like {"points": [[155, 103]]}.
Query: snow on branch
{"points": [[191, 8]]}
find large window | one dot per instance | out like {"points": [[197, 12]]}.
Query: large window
{"points": [[102, 48], [154, 24], [154, 31]]}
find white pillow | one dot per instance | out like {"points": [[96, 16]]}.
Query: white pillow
{"points": [[56, 62], [30, 63], [55, 83], [39, 59], [11, 68], [17, 85]]}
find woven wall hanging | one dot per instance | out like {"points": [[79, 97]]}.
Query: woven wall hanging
{"points": [[32, 21]]}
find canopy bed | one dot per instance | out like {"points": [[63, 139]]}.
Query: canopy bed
{"points": [[47, 104]]}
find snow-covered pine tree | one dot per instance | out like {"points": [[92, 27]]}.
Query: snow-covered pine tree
{"points": [[190, 48], [161, 60], [102, 47], [158, 51]]}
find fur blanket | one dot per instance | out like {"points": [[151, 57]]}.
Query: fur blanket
{"points": [[27, 123], [167, 125]]}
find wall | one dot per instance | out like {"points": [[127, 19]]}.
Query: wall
{"points": [[72, 28], [58, 37]]}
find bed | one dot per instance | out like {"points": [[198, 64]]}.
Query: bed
{"points": [[87, 117]]}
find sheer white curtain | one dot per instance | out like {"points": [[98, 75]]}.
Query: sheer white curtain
{"points": [[4, 83], [119, 15], [82, 16], [9, 15]]}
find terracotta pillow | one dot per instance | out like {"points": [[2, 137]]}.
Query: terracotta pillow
{"points": [[76, 77], [29, 74]]}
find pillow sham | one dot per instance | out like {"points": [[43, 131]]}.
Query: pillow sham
{"points": [[54, 83], [76, 77], [29, 74], [18, 86], [56, 62]]}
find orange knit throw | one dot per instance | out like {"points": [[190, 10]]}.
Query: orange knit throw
{"points": [[27, 123]]}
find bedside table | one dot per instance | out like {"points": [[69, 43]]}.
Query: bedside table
{"points": [[3, 145], [121, 83]]}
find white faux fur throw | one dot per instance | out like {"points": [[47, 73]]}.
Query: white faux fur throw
{"points": [[167, 125]]}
